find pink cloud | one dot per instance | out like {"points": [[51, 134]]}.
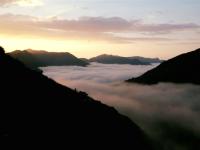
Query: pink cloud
{"points": [[88, 28], [5, 2], [20, 2]]}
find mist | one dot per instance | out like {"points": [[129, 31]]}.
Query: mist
{"points": [[168, 113]]}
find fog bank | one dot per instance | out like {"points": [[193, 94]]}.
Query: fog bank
{"points": [[165, 111]]}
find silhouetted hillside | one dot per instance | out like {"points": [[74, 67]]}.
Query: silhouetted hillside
{"points": [[110, 59], [146, 60], [181, 69], [85, 60], [35, 59], [47, 114]]}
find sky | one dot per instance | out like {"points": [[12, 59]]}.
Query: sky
{"points": [[87, 28]]}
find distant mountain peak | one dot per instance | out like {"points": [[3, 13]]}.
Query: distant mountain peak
{"points": [[41, 58], [107, 55], [115, 59], [35, 51]]}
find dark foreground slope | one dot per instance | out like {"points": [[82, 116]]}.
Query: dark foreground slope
{"points": [[34, 59], [55, 116], [184, 68]]}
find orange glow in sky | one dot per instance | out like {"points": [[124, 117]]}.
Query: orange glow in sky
{"points": [[85, 30]]}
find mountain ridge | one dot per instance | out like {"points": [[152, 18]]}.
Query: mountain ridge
{"points": [[35, 59], [180, 69], [42, 58], [114, 59]]}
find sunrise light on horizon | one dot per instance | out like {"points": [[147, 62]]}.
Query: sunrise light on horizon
{"points": [[87, 28]]}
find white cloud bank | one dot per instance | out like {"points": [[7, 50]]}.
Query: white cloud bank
{"points": [[162, 110]]}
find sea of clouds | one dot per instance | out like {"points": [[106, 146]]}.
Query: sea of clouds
{"points": [[167, 112]]}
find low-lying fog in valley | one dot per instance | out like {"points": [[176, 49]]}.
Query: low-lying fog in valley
{"points": [[167, 112]]}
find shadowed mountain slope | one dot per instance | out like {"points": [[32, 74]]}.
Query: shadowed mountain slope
{"points": [[181, 69], [34, 59], [47, 114]]}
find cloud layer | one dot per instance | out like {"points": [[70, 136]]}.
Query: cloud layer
{"points": [[115, 24], [165, 111], [113, 29], [5, 2], [20, 2]]}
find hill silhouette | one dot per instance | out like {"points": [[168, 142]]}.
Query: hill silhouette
{"points": [[181, 69], [147, 60], [47, 114], [35, 59], [111, 59]]}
